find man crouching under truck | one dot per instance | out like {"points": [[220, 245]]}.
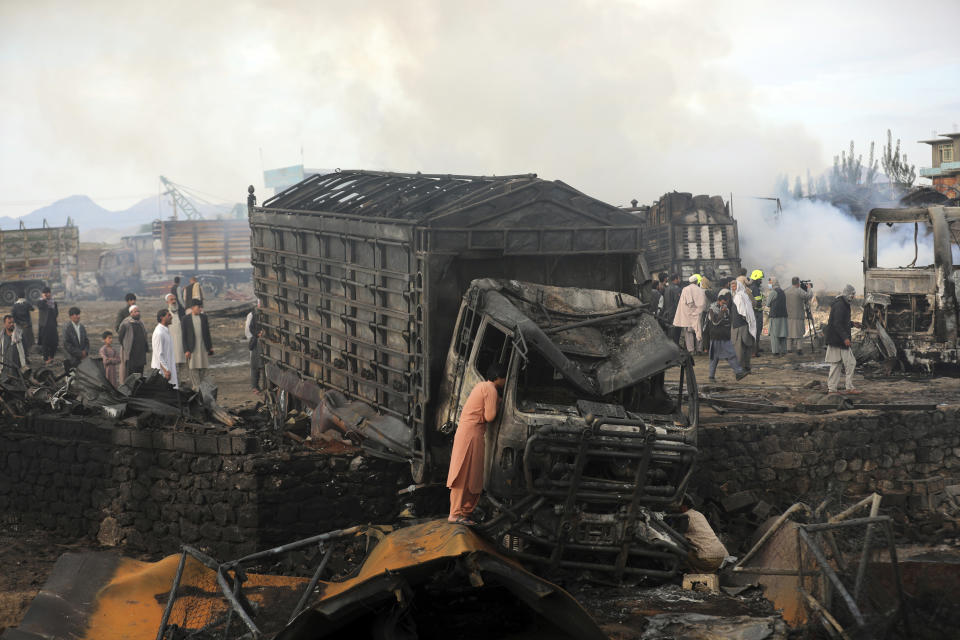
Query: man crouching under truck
{"points": [[465, 479]]}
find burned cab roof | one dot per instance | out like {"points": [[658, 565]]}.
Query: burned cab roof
{"points": [[600, 341]]}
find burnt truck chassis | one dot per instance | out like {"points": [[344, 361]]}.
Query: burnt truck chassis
{"points": [[911, 314], [358, 272]]}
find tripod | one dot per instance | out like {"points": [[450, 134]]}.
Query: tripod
{"points": [[810, 323]]}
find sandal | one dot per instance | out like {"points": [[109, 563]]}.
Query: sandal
{"points": [[467, 522]]}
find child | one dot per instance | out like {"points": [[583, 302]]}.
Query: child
{"points": [[111, 359]]}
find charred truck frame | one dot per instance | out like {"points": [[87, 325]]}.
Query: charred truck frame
{"points": [[687, 234], [911, 312], [361, 275]]}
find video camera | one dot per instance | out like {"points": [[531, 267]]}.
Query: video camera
{"points": [[806, 284]]}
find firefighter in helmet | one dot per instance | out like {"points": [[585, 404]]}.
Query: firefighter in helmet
{"points": [[756, 296]]}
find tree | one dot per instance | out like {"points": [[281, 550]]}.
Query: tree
{"points": [[897, 169], [848, 171]]}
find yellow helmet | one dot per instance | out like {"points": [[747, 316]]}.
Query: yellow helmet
{"points": [[756, 275], [698, 277]]}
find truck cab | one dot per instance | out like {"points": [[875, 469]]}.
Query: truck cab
{"points": [[588, 445], [118, 271], [913, 304]]}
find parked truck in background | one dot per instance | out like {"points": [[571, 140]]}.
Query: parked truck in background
{"points": [[31, 259], [217, 251], [384, 297]]}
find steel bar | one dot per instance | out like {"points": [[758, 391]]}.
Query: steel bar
{"points": [[339, 533], [831, 575], [897, 578], [235, 603], [857, 522], [172, 596], [797, 506], [620, 315], [819, 608], [311, 585], [862, 567], [846, 513]]}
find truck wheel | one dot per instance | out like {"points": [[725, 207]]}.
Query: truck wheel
{"points": [[7, 295], [34, 294]]}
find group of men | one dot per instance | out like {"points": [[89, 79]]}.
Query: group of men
{"points": [[180, 342], [728, 324]]}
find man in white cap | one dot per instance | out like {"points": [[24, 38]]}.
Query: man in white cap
{"points": [[163, 356], [693, 302], [837, 334], [133, 336]]}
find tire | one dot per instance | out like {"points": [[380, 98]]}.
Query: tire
{"points": [[7, 295], [34, 293]]}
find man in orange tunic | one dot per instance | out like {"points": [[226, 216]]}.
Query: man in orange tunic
{"points": [[465, 479]]}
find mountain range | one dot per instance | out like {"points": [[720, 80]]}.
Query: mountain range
{"points": [[97, 224]]}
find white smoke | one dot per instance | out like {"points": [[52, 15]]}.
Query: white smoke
{"points": [[817, 241]]}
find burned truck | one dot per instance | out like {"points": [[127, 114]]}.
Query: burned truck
{"points": [[910, 311], [384, 296], [687, 234]]}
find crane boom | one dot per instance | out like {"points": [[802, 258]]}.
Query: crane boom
{"points": [[180, 200]]}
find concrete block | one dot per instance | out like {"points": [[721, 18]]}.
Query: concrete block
{"points": [[705, 582], [739, 501]]}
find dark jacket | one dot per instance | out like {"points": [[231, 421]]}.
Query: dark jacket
{"points": [[122, 315], [176, 296], [21, 312], [73, 345], [778, 309], [190, 338], [9, 355], [838, 325], [47, 326], [718, 322], [671, 298]]}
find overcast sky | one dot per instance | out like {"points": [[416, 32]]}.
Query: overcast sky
{"points": [[619, 99]]}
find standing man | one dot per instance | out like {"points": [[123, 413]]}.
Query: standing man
{"points": [[176, 329], [12, 356], [743, 327], [465, 478], [196, 343], [797, 298], [122, 314], [175, 290], [777, 305], [193, 291], [21, 317], [47, 326], [693, 302], [718, 326], [671, 298], [756, 295], [162, 342], [837, 334], [133, 337], [253, 332], [75, 341]]}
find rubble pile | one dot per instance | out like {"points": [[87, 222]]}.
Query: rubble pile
{"points": [[141, 401]]}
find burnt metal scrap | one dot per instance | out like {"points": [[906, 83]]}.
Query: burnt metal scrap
{"points": [[826, 570], [418, 581], [911, 314], [150, 400]]}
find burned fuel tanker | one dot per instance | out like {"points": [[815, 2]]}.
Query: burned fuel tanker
{"points": [[385, 296]]}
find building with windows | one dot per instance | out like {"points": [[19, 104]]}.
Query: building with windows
{"points": [[945, 169]]}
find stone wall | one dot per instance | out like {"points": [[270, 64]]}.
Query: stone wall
{"points": [[151, 490], [807, 458]]}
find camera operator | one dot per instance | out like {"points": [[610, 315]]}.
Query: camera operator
{"points": [[797, 298]]}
